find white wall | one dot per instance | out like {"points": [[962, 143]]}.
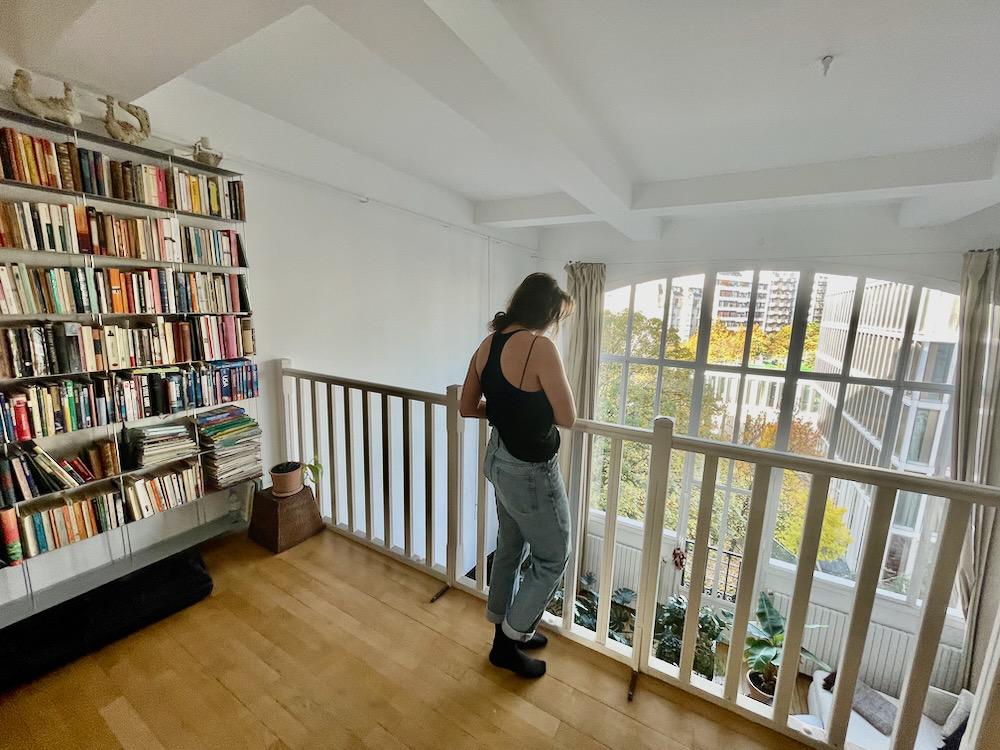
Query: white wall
{"points": [[847, 238]]}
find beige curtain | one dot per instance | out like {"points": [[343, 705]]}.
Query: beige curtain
{"points": [[976, 446], [585, 284]]}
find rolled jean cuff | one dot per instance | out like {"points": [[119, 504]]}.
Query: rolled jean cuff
{"points": [[494, 617], [515, 635]]}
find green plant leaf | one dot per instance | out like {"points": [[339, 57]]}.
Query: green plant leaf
{"points": [[769, 618], [819, 662]]}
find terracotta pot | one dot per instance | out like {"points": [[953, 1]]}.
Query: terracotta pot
{"points": [[755, 692], [286, 483]]}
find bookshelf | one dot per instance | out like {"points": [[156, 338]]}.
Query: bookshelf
{"points": [[149, 238]]}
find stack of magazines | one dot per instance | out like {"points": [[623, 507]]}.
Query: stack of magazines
{"points": [[150, 446], [232, 441]]}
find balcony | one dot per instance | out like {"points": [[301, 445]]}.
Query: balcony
{"points": [[437, 516]]}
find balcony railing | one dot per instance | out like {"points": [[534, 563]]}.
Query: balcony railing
{"points": [[725, 571], [404, 476]]}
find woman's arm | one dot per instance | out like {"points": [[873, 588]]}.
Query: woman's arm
{"points": [[552, 377], [472, 404]]}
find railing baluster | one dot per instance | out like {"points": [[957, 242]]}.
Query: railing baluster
{"points": [[456, 428], [481, 511], [407, 482], [315, 436], [331, 436], [928, 636], [748, 573], [366, 444], [429, 484], [866, 583], [608, 548], [795, 628], [577, 528], [386, 474], [349, 459], [652, 539], [699, 565], [298, 419]]}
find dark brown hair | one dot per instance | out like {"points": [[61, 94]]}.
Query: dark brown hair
{"points": [[536, 304]]}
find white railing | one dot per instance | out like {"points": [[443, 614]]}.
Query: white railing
{"points": [[402, 509]]}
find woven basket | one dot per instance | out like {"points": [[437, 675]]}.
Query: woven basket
{"points": [[280, 523]]}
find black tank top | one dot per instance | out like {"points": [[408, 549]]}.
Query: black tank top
{"points": [[524, 418]]}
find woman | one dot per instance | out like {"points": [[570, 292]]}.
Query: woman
{"points": [[520, 373]]}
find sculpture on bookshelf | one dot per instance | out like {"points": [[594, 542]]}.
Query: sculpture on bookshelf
{"points": [[123, 131], [58, 108], [203, 153]]}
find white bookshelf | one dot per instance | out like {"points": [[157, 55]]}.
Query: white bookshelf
{"points": [[60, 574]]}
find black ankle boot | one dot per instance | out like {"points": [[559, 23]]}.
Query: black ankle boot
{"points": [[536, 641], [506, 655]]}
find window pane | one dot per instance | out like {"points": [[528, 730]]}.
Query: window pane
{"points": [[863, 424], [880, 329], [895, 573], [836, 538], [685, 313], [675, 396], [718, 406], [615, 322], [647, 320], [761, 405], [907, 510], [641, 389], [829, 322], [920, 442], [730, 312], [935, 338], [812, 417], [772, 329], [609, 392]]}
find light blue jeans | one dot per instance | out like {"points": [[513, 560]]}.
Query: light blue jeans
{"points": [[534, 523]]}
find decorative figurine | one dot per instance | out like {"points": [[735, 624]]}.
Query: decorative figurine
{"points": [[204, 154], [122, 131], [58, 108]]}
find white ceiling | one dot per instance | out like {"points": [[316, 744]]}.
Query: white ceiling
{"points": [[547, 112], [308, 71]]}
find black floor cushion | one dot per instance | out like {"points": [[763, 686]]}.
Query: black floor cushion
{"points": [[58, 635]]}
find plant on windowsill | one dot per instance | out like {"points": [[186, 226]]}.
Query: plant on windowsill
{"points": [[669, 631], [287, 477], [764, 647]]}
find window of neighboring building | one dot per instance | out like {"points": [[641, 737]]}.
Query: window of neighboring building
{"points": [[851, 368]]}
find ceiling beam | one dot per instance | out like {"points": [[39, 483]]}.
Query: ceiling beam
{"points": [[935, 186], [469, 57], [548, 210]]}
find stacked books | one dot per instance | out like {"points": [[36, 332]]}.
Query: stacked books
{"points": [[150, 446], [146, 496], [26, 290], [69, 228], [148, 392], [65, 166], [30, 472], [44, 409], [10, 536], [233, 441], [80, 518]]}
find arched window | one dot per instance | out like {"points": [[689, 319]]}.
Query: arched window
{"points": [[851, 368]]}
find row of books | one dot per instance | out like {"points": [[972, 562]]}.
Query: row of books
{"points": [[44, 409], [148, 393], [149, 446], [28, 471], [82, 517], [26, 290], [39, 161], [68, 228], [70, 348], [232, 439]]}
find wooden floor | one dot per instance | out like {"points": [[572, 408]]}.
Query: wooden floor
{"points": [[331, 645]]}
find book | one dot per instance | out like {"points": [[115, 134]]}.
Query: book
{"points": [[232, 441]]}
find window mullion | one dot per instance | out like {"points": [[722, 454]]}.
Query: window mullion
{"points": [[845, 368], [623, 394], [896, 400], [663, 346]]}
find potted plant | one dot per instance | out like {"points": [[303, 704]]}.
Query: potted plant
{"points": [[287, 477], [764, 647], [669, 632]]}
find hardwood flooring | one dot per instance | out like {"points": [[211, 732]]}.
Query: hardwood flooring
{"points": [[331, 645]]}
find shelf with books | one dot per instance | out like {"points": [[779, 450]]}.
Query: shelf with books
{"points": [[97, 138], [6, 383], [97, 317], [51, 259], [93, 197]]}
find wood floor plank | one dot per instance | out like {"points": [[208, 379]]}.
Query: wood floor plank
{"points": [[332, 645]]}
